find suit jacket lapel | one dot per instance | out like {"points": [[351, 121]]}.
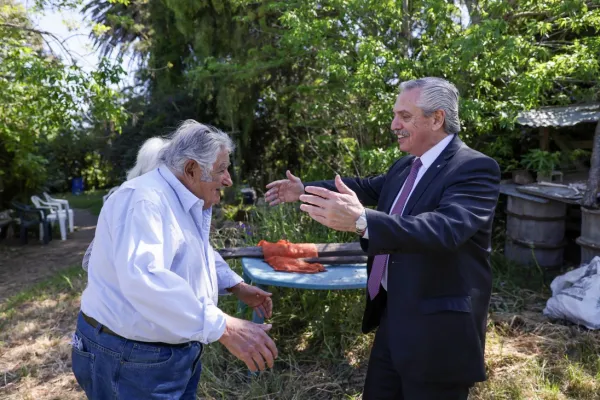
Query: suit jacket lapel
{"points": [[431, 173], [398, 180]]}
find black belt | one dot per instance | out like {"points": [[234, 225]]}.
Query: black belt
{"points": [[106, 330]]}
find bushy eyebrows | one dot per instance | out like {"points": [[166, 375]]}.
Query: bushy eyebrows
{"points": [[402, 112]]}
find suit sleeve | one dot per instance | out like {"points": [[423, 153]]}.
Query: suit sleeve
{"points": [[468, 203]]}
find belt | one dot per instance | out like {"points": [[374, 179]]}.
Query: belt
{"points": [[106, 330], [95, 324]]}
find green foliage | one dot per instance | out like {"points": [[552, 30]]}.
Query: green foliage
{"points": [[41, 101], [541, 161], [281, 76], [378, 160]]}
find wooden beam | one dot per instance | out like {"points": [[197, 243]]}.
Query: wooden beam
{"points": [[590, 198], [324, 250], [545, 138]]}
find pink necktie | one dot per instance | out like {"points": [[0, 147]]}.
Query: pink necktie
{"points": [[380, 261]]}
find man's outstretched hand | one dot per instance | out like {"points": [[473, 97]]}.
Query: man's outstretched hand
{"points": [[284, 190], [336, 210]]}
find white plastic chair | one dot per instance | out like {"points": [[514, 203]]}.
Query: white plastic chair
{"points": [[63, 203], [54, 214], [107, 195]]}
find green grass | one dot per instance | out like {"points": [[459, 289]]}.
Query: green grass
{"points": [[89, 200]]}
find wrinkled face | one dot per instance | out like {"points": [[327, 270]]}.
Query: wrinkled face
{"points": [[416, 133], [209, 191]]}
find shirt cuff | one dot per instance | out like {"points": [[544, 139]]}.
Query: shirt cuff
{"points": [[366, 234], [214, 324], [230, 281]]}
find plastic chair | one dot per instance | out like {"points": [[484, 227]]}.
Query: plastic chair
{"points": [[30, 217], [53, 214], [64, 203], [107, 195]]}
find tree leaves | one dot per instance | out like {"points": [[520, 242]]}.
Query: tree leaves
{"points": [[41, 97]]}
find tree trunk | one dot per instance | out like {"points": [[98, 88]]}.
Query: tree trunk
{"points": [[590, 198], [474, 13]]}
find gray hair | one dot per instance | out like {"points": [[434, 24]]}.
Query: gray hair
{"points": [[437, 94], [195, 141], [147, 157]]}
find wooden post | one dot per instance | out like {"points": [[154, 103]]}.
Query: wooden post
{"points": [[590, 198], [545, 138]]}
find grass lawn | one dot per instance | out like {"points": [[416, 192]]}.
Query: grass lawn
{"points": [[89, 200], [323, 355]]}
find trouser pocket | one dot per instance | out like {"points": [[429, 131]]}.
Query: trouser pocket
{"points": [[82, 364]]}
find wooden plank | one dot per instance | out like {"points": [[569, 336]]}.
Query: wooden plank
{"points": [[239, 252], [536, 192], [324, 250], [337, 260]]}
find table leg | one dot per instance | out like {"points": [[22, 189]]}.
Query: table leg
{"points": [[255, 317], [241, 309]]}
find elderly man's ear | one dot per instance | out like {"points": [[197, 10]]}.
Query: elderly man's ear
{"points": [[191, 171]]}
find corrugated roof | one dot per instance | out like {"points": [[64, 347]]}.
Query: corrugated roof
{"points": [[560, 116]]}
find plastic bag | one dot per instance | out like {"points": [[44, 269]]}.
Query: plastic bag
{"points": [[576, 296]]}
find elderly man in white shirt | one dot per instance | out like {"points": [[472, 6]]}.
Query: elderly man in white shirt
{"points": [[151, 302]]}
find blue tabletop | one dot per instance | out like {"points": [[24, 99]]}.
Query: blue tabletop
{"points": [[343, 276]]}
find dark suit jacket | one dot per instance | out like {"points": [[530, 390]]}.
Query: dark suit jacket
{"points": [[439, 274]]}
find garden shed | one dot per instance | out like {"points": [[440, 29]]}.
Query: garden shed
{"points": [[542, 216]]}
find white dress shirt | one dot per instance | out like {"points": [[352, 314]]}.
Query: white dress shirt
{"points": [[152, 272], [226, 277], [426, 159]]}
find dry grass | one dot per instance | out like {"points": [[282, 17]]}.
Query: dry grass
{"points": [[322, 354], [35, 331]]}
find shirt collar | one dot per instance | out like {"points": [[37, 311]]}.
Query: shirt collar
{"points": [[433, 153], [187, 198]]}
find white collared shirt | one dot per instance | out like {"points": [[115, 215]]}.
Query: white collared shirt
{"points": [[426, 159], [152, 272]]}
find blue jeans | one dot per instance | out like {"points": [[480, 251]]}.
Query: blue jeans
{"points": [[110, 367]]}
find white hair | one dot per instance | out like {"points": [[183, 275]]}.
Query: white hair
{"points": [[437, 94], [195, 141], [147, 157]]}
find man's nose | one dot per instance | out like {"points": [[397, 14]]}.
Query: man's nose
{"points": [[227, 179], [396, 123]]}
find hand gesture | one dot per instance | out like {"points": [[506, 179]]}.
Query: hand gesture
{"points": [[284, 190], [250, 343], [337, 211]]}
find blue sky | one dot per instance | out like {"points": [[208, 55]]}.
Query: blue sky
{"points": [[72, 28]]}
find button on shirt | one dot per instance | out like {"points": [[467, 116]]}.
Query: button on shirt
{"points": [[152, 271], [427, 159]]}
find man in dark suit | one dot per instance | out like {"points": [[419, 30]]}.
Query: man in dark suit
{"points": [[429, 243]]}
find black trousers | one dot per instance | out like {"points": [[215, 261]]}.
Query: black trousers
{"points": [[385, 383]]}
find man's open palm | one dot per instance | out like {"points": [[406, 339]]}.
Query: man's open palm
{"points": [[284, 190]]}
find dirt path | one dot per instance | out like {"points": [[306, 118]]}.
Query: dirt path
{"points": [[23, 266]]}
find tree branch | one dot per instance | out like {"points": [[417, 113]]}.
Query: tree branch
{"points": [[42, 34]]}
